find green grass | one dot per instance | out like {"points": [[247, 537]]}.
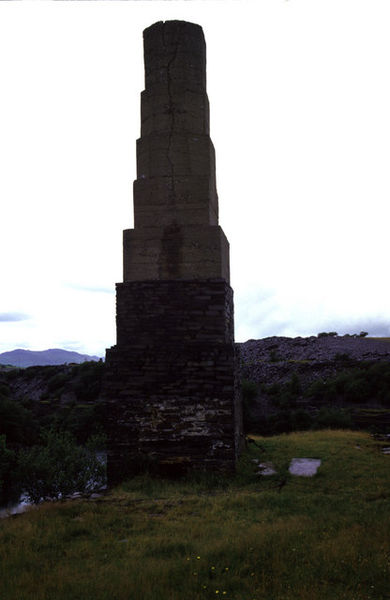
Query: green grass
{"points": [[243, 538]]}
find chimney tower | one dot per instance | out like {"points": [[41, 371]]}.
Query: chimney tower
{"points": [[171, 388]]}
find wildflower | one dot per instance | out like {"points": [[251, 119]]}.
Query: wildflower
{"points": [[226, 568], [213, 568], [217, 591], [198, 557]]}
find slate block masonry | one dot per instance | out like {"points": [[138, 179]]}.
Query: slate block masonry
{"points": [[171, 385]]}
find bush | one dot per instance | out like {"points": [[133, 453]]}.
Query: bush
{"points": [[333, 418], [88, 383], [368, 382], [9, 487], [327, 334], [17, 423], [288, 393], [249, 391], [80, 420], [59, 468]]}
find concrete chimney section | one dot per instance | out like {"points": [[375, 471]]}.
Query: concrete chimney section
{"points": [[175, 195], [171, 390]]}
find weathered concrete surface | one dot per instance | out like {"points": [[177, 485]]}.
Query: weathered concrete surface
{"points": [[176, 233], [193, 197], [175, 252]]}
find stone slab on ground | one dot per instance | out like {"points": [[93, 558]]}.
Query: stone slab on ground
{"points": [[266, 468], [304, 467]]}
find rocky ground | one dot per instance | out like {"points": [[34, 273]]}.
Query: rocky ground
{"points": [[276, 358], [285, 370]]}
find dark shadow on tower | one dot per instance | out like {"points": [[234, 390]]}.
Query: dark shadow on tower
{"points": [[171, 385]]}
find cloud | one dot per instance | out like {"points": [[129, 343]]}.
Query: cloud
{"points": [[91, 288], [375, 327], [264, 313], [13, 316]]}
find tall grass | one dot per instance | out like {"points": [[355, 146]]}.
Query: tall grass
{"points": [[243, 538]]}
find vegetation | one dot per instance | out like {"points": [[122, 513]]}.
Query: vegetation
{"points": [[59, 468], [241, 538], [53, 469], [367, 382], [327, 334], [335, 403], [45, 445], [25, 422], [362, 334], [10, 487]]}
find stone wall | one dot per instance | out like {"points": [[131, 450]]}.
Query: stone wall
{"points": [[170, 387]]}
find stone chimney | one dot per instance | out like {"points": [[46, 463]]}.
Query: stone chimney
{"points": [[171, 388]]}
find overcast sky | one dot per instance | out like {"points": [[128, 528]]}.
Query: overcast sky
{"points": [[300, 118]]}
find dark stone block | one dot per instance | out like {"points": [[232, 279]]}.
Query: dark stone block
{"points": [[171, 396]]}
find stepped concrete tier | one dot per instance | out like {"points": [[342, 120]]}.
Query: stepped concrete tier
{"points": [[171, 387]]}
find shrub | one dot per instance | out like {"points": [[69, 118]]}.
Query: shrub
{"points": [[17, 423], [4, 390], [249, 391], [56, 382], [59, 468], [9, 487], [288, 393], [88, 383], [327, 334], [333, 418]]}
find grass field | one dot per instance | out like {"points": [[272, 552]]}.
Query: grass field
{"points": [[241, 538]]}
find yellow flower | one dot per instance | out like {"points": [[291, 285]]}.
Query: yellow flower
{"points": [[226, 568], [213, 568]]}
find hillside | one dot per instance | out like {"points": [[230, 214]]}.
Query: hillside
{"points": [[275, 359], [31, 358], [59, 396], [288, 384], [348, 374]]}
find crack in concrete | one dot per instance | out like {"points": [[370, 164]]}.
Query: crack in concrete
{"points": [[171, 108]]}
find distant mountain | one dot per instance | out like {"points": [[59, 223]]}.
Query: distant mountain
{"points": [[30, 358]]}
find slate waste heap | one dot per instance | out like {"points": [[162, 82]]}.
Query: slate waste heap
{"points": [[171, 385]]}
